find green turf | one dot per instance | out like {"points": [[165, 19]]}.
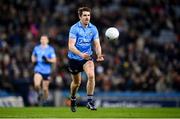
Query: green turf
{"points": [[64, 112]]}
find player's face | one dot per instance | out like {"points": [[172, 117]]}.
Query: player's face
{"points": [[44, 40], [85, 17]]}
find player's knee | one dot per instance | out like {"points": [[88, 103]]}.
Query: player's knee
{"points": [[91, 76], [77, 84], [37, 87]]}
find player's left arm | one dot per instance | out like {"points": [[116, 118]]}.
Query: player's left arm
{"points": [[97, 45], [51, 60], [51, 57], [98, 50]]}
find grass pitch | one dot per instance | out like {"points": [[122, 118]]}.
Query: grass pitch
{"points": [[82, 112]]}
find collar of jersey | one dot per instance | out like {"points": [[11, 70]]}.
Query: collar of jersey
{"points": [[80, 25]]}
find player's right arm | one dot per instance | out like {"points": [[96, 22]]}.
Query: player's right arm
{"points": [[33, 57], [72, 42], [72, 48]]}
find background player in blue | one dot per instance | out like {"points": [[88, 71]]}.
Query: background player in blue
{"points": [[43, 56], [81, 36]]}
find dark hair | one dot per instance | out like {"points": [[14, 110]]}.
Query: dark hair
{"points": [[82, 9], [44, 34]]}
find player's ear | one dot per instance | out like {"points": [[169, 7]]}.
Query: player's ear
{"points": [[79, 16]]}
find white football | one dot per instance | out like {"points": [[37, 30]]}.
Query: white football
{"points": [[112, 33]]}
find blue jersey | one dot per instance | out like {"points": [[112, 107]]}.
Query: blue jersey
{"points": [[42, 66], [84, 38]]}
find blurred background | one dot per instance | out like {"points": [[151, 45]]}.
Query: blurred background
{"points": [[141, 68]]}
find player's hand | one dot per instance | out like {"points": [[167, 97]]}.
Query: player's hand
{"points": [[85, 56], [44, 58], [100, 58]]}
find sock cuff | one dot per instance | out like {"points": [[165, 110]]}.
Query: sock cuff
{"points": [[90, 96], [73, 97]]}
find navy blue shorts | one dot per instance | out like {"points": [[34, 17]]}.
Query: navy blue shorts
{"points": [[76, 66], [45, 76]]}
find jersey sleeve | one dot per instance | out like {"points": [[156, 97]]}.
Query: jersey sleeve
{"points": [[52, 53], [34, 52], [72, 33], [96, 33]]}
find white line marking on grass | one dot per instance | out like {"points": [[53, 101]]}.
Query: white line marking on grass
{"points": [[83, 118]]}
